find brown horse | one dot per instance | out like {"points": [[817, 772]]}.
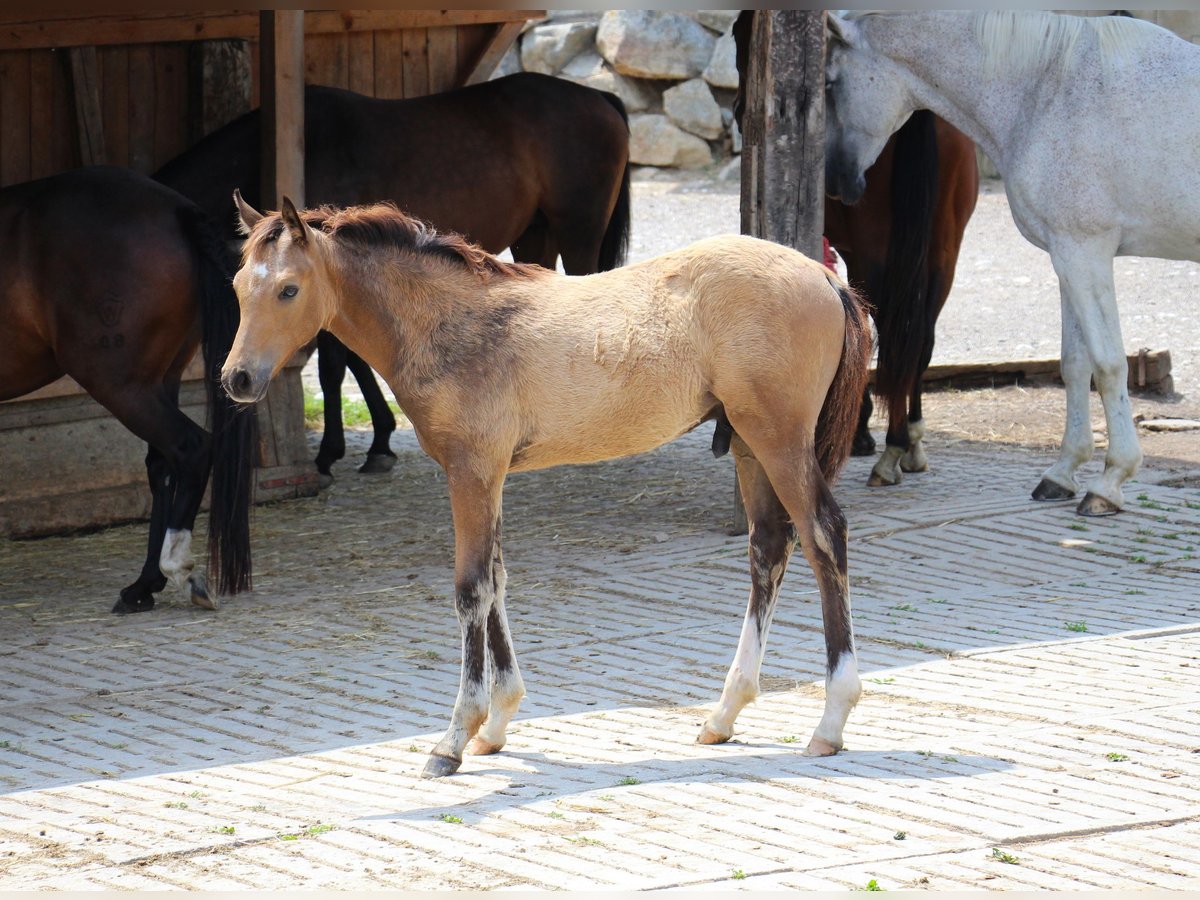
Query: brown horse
{"points": [[115, 280], [529, 162], [900, 243], [507, 367]]}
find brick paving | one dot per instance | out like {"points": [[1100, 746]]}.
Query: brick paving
{"points": [[1030, 718]]}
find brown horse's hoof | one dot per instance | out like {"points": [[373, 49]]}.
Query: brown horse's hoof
{"points": [[439, 766], [377, 464], [863, 446], [1095, 505], [877, 480], [820, 747], [477, 746], [1051, 490], [708, 736]]}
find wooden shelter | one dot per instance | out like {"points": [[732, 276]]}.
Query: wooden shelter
{"points": [[136, 90]]}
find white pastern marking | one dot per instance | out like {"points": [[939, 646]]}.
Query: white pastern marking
{"points": [[843, 687], [175, 561]]}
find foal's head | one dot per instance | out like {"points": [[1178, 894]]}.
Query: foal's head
{"points": [[285, 294]]}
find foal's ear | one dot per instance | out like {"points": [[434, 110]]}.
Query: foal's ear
{"points": [[842, 31], [247, 214], [291, 218]]}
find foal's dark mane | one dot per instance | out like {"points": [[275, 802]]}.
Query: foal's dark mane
{"points": [[383, 225]]}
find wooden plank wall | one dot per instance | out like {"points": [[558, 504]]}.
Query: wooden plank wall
{"points": [[145, 101]]}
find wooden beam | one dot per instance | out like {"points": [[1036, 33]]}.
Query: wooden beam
{"points": [[24, 31], [783, 140], [85, 85], [281, 76], [493, 51], [1149, 372]]}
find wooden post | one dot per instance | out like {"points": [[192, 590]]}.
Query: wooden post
{"points": [[281, 80], [783, 139], [89, 119], [219, 82]]}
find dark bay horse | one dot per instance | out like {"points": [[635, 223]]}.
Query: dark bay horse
{"points": [[115, 280], [529, 162], [506, 367], [900, 242]]}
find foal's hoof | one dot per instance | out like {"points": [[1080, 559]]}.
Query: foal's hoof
{"points": [[378, 463], [200, 595], [1095, 505], [820, 747], [1051, 490], [440, 766], [477, 746], [708, 736]]}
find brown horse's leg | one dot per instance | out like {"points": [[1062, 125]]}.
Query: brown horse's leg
{"points": [[798, 482], [475, 504], [507, 685], [864, 443], [380, 457], [178, 476], [536, 246], [772, 538]]}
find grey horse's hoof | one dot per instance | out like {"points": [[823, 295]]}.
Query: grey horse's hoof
{"points": [[377, 463], [1095, 505], [439, 766], [323, 480], [1051, 490]]}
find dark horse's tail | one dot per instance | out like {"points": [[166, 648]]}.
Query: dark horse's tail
{"points": [[616, 238], [839, 415], [234, 428], [904, 312]]}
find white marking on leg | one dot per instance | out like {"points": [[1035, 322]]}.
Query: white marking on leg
{"points": [[741, 683], [887, 468], [175, 561], [508, 688], [915, 459], [471, 704], [843, 687]]}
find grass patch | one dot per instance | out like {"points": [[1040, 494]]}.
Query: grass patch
{"points": [[1116, 757], [453, 820], [354, 412], [629, 780], [1004, 856], [1075, 626]]}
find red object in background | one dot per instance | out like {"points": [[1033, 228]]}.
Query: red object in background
{"points": [[831, 257]]}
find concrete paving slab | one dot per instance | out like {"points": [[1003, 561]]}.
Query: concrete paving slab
{"points": [[1030, 716]]}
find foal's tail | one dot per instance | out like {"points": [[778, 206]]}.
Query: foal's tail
{"points": [[616, 237], [839, 415], [904, 312], [234, 428]]}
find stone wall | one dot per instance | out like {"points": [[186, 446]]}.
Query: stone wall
{"points": [[675, 72]]}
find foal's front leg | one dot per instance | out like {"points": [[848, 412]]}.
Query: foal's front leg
{"points": [[478, 583]]}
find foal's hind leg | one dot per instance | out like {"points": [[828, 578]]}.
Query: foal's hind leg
{"points": [[798, 481], [772, 538]]}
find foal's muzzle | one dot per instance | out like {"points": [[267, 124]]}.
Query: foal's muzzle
{"points": [[242, 386]]}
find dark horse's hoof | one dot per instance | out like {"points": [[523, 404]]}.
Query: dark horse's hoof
{"points": [[200, 595], [133, 602], [1051, 490], [440, 766], [863, 445], [378, 463], [324, 480], [1095, 505]]}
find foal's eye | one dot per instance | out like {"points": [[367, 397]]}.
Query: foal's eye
{"points": [[288, 292]]}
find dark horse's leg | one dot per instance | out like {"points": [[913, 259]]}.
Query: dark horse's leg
{"points": [[864, 443], [380, 457], [333, 358]]}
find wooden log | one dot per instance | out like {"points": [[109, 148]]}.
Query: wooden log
{"points": [[493, 51], [1149, 372], [281, 79], [85, 84], [783, 140]]}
